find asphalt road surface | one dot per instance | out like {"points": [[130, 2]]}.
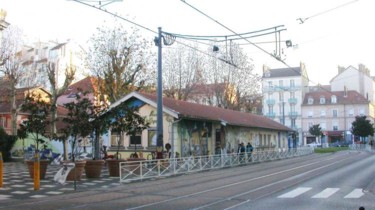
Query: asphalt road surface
{"points": [[342, 180]]}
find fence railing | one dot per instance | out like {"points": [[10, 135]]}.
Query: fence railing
{"points": [[139, 170], [364, 147]]}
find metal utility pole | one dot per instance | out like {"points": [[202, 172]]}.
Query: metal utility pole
{"points": [[283, 113], [159, 125]]}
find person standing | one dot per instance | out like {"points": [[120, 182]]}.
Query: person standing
{"points": [[249, 149], [242, 152]]}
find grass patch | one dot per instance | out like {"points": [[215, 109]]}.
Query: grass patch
{"points": [[330, 149]]}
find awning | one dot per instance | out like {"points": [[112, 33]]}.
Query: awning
{"points": [[334, 133]]}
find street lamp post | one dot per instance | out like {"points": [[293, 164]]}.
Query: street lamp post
{"points": [[165, 39], [159, 121]]}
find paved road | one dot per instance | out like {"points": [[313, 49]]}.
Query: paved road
{"points": [[343, 180]]}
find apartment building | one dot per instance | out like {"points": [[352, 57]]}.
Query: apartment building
{"points": [[334, 111], [351, 78], [283, 91], [37, 56]]}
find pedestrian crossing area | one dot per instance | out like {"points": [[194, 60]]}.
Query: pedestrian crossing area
{"points": [[17, 183], [323, 194]]}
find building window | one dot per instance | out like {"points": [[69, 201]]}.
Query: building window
{"points": [[322, 100], [270, 108], [310, 114], [323, 126], [334, 113], [335, 126], [151, 137], [333, 99], [2, 122], [310, 100], [281, 96], [281, 84], [361, 112], [135, 140], [351, 113], [310, 124], [293, 123], [115, 138], [292, 83], [323, 113], [292, 94]]}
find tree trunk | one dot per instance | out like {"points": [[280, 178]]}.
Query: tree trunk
{"points": [[13, 109], [65, 147]]}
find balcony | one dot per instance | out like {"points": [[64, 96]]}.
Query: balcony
{"points": [[271, 115], [292, 101], [270, 101], [293, 114]]}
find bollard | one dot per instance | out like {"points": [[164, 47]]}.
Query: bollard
{"points": [[36, 171], [1, 170]]}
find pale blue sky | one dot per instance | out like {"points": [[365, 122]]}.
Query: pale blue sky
{"points": [[338, 37]]}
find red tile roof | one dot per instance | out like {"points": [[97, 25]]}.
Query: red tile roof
{"points": [[352, 97], [86, 84], [197, 111]]}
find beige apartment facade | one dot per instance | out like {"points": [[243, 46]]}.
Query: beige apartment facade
{"points": [[334, 111]]}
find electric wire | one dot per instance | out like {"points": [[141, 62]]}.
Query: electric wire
{"points": [[205, 53], [152, 31], [303, 20], [117, 16], [225, 39], [277, 58], [204, 14], [255, 45]]}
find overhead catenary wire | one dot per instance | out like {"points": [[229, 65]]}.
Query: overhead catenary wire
{"points": [[221, 38], [303, 20], [255, 45], [152, 31], [205, 53], [209, 17], [293, 69]]}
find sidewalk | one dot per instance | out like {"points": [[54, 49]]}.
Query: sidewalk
{"points": [[18, 185]]}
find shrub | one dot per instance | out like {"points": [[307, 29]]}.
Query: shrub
{"points": [[6, 144]]}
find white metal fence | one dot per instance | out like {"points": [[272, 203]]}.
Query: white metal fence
{"points": [[364, 147], [139, 170]]}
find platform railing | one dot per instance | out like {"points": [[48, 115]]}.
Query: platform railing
{"points": [[148, 169], [363, 147]]}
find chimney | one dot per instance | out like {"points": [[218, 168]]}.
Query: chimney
{"points": [[266, 71], [340, 69], [362, 68]]}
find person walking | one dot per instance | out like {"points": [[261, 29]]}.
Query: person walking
{"points": [[242, 151], [249, 149]]}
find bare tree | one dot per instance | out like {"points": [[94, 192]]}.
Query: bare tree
{"points": [[122, 59], [56, 92], [182, 71], [11, 67], [233, 74]]}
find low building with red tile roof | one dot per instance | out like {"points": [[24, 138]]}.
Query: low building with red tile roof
{"points": [[195, 129]]}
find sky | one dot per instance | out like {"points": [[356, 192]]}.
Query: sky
{"points": [[335, 33]]}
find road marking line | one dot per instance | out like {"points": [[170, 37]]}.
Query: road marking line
{"points": [[356, 193], [238, 183], [296, 192], [326, 193]]}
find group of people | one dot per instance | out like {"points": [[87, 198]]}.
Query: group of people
{"points": [[242, 149]]}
